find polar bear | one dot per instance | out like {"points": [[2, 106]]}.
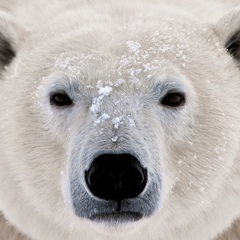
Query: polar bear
{"points": [[120, 120]]}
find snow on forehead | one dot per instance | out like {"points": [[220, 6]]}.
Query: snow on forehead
{"points": [[130, 56], [133, 46]]}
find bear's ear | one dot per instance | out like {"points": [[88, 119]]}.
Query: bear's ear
{"points": [[228, 30], [11, 37]]}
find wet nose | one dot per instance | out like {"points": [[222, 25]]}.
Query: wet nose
{"points": [[116, 177]]}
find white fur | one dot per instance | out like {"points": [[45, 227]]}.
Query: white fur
{"points": [[129, 47]]}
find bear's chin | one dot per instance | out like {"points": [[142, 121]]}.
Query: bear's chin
{"points": [[116, 218]]}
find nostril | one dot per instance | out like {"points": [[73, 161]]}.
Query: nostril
{"points": [[94, 178], [116, 177]]}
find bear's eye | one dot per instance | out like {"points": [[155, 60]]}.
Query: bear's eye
{"points": [[61, 99], [173, 100]]}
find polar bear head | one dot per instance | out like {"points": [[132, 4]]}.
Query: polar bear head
{"points": [[118, 126]]}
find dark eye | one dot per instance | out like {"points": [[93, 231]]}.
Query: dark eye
{"points": [[173, 100], [61, 99]]}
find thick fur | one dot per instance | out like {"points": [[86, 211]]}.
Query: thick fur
{"points": [[140, 50]]}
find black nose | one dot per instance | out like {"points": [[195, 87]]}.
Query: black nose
{"points": [[116, 177]]}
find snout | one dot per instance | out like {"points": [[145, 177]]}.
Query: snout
{"points": [[114, 188], [116, 177]]}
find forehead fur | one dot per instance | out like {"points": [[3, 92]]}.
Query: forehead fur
{"points": [[126, 56]]}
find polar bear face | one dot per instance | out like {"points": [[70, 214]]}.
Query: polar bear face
{"points": [[143, 117]]}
